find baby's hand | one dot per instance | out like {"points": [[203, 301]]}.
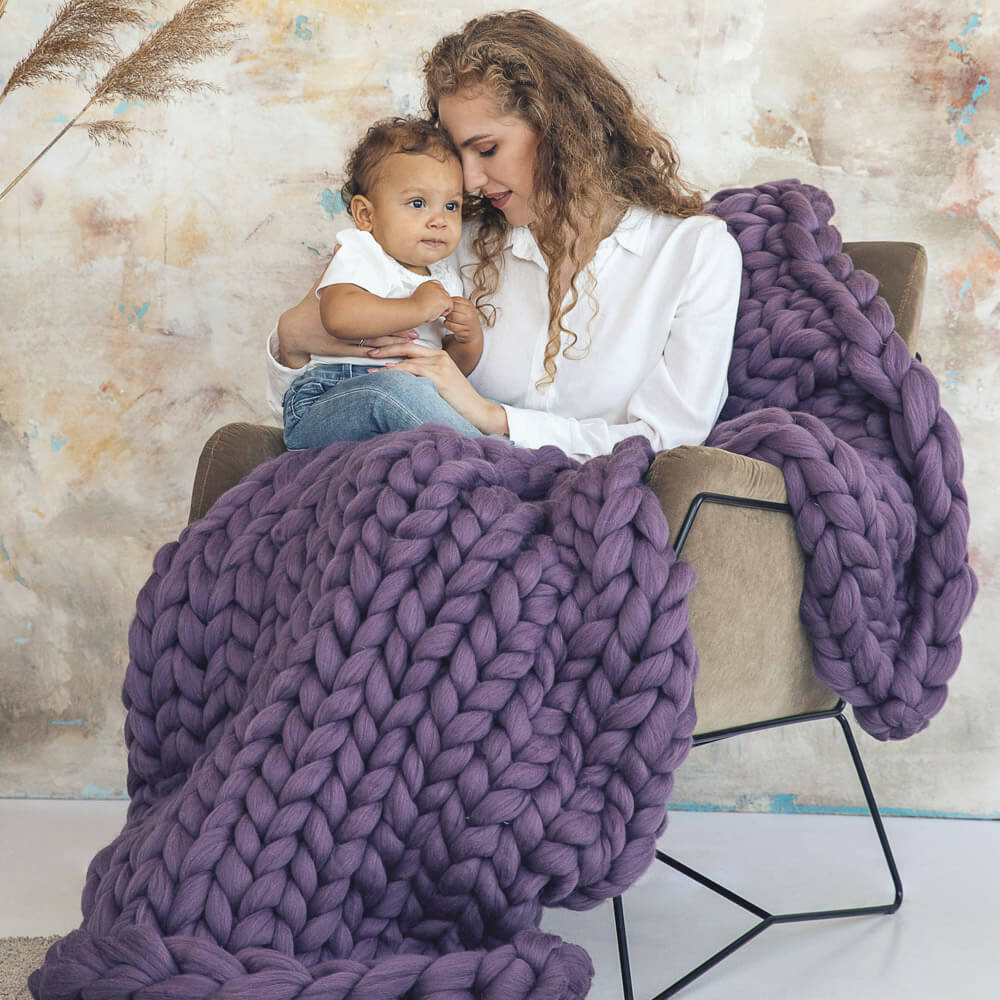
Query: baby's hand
{"points": [[463, 321], [433, 300]]}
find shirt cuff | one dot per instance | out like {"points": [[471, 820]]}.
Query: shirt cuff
{"points": [[535, 428]]}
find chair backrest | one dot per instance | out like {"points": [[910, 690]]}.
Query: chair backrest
{"points": [[901, 271]]}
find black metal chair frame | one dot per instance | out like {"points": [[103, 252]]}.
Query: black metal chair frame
{"points": [[766, 918]]}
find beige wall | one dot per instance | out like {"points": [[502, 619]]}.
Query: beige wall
{"points": [[136, 287]]}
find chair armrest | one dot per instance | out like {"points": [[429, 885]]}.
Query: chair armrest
{"points": [[229, 455], [755, 659]]}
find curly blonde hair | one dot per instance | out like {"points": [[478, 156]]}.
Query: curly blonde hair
{"points": [[595, 149]]}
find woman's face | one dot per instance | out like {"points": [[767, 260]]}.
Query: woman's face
{"points": [[497, 150]]}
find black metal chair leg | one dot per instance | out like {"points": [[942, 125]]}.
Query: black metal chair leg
{"points": [[766, 919], [623, 948]]}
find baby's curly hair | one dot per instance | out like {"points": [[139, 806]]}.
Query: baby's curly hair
{"points": [[391, 135]]}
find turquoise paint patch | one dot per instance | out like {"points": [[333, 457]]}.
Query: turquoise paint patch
{"points": [[331, 202], [58, 120], [57, 443], [966, 288], [35, 432], [788, 805], [5, 555], [93, 791], [312, 250], [960, 117], [125, 105], [990, 235], [975, 21], [70, 722], [301, 31], [24, 640], [138, 313]]}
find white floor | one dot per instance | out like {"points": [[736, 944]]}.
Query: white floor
{"points": [[943, 943]]}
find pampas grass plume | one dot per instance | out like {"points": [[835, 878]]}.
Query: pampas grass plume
{"points": [[150, 73], [80, 36]]}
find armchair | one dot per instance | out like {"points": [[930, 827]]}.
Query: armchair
{"points": [[730, 519]]}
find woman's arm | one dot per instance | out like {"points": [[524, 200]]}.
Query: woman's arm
{"points": [[453, 387], [300, 332]]}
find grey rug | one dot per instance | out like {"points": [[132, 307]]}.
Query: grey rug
{"points": [[19, 957]]}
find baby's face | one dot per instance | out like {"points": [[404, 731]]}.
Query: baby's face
{"points": [[416, 208]]}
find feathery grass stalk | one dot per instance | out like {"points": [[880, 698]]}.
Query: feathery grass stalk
{"points": [[198, 30], [150, 73], [80, 36], [3, 8], [108, 130]]}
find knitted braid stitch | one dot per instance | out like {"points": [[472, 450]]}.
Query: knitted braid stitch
{"points": [[384, 701], [822, 386]]}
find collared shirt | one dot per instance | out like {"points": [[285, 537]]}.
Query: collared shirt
{"points": [[652, 360], [654, 356]]}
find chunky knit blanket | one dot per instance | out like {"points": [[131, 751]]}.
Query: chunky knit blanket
{"points": [[389, 698]]}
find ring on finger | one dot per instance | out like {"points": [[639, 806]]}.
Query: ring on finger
{"points": [[361, 342]]}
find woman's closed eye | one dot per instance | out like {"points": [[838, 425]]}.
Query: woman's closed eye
{"points": [[488, 152]]}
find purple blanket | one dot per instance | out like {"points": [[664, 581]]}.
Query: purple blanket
{"points": [[822, 386], [388, 699]]}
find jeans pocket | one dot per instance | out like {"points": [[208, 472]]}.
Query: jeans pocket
{"points": [[309, 386]]}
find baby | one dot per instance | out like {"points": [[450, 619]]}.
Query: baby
{"points": [[404, 193]]}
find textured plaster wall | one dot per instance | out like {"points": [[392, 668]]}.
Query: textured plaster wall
{"points": [[136, 287]]}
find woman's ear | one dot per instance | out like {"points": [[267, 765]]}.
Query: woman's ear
{"points": [[362, 211]]}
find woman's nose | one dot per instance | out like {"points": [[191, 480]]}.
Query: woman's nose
{"points": [[473, 176]]}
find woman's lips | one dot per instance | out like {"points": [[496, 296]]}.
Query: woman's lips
{"points": [[499, 200]]}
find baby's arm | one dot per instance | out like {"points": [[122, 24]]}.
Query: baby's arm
{"points": [[465, 345], [348, 312]]}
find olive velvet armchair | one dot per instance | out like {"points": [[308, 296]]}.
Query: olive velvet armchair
{"points": [[729, 519]]}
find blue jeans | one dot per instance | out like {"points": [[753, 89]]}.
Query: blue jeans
{"points": [[342, 402]]}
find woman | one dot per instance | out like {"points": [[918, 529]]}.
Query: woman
{"points": [[614, 300]]}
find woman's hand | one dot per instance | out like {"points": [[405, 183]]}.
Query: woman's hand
{"points": [[452, 386]]}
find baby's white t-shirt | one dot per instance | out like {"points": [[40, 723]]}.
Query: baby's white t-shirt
{"points": [[362, 261]]}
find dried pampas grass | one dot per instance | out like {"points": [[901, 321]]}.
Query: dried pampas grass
{"points": [[81, 34], [201, 28], [198, 30], [109, 130]]}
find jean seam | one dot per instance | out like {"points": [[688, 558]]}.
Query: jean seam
{"points": [[389, 397]]}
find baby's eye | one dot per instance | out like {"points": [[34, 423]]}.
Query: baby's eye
{"points": [[416, 203], [453, 206], [488, 152]]}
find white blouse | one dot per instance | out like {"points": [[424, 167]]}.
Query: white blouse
{"points": [[651, 361]]}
